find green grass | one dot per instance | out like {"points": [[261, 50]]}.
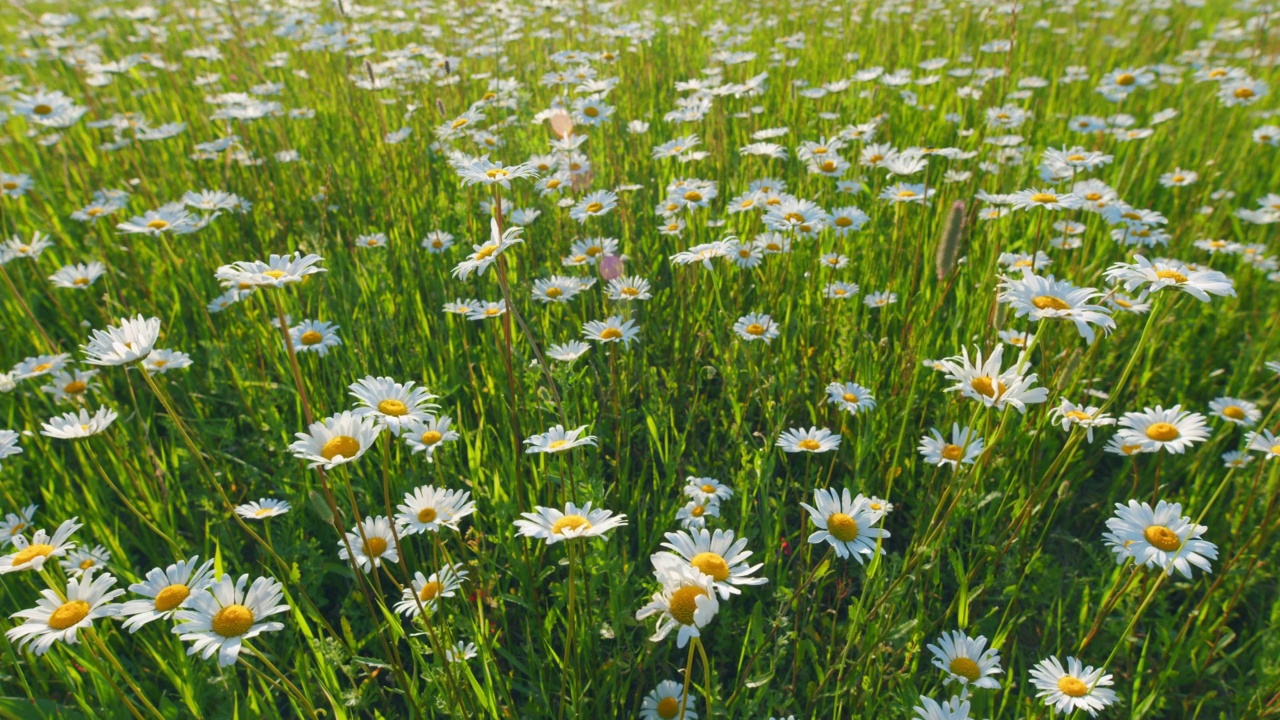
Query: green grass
{"points": [[1010, 547]]}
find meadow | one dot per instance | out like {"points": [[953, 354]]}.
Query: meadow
{"points": [[816, 359]]}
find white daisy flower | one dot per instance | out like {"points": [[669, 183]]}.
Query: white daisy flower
{"points": [[55, 619], [719, 556], [1072, 688], [428, 508], [814, 440], [1173, 430], [166, 591], [335, 440], [982, 380], [73, 426], [429, 590], [612, 329], [756, 326], [1087, 417], [967, 660], [219, 619], [1046, 297], [81, 560], [1264, 442], [14, 524], [277, 271], [964, 448], [428, 434], [552, 525], [1156, 275], [705, 489], [846, 522], [32, 554], [390, 403], [118, 345], [695, 513], [372, 543], [1235, 410], [664, 703], [568, 352], [558, 439], [686, 601], [850, 397], [160, 361], [1160, 538], [263, 509]]}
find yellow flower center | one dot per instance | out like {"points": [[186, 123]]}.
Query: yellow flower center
{"points": [[374, 546], [809, 444], [262, 512], [794, 217], [31, 552], [1049, 302], [983, 384], [965, 668], [1243, 93], [232, 621], [952, 452], [69, 614], [427, 515], [1162, 432], [755, 329], [1072, 687], [311, 337], [497, 173], [343, 445], [684, 603], [711, 564], [1162, 537], [828, 166], [554, 292], [906, 193], [553, 183], [458, 123], [431, 437], [843, 221], [708, 488], [394, 408], [42, 109], [486, 252], [430, 591], [1075, 158], [570, 522], [1044, 198], [1077, 415], [1179, 178], [1235, 412], [1173, 275], [668, 708], [610, 334], [158, 224], [87, 563], [849, 398], [595, 251], [693, 196], [171, 597], [842, 527], [1125, 79], [697, 511]]}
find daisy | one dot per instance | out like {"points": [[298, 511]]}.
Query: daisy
{"points": [[429, 434], [1264, 442], [850, 397], [907, 193], [277, 271], [171, 218], [880, 299], [555, 289], [117, 345], [220, 618], [437, 241], [80, 560], [1069, 413], [840, 290], [9, 445], [429, 590], [393, 405], [460, 652], [16, 247], [33, 553], [427, 509], [568, 352], [483, 256], [594, 205], [1173, 430], [965, 447], [373, 543], [483, 171], [1233, 459], [629, 288], [73, 426], [847, 523], [1159, 274], [485, 310], [14, 524], [1073, 688], [695, 513], [1119, 444], [263, 509], [335, 440], [814, 440], [718, 556], [166, 591], [705, 489], [967, 660], [1046, 297], [69, 384], [687, 600], [756, 327], [954, 709], [55, 619], [558, 439], [664, 703], [1235, 410], [79, 276], [1160, 538], [612, 329], [983, 380], [575, 522], [160, 361]]}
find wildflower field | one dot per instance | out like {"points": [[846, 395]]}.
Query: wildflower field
{"points": [[448, 359]]}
